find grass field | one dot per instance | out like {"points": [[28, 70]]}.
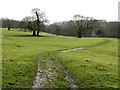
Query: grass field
{"points": [[92, 67]]}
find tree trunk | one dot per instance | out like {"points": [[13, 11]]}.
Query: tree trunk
{"points": [[38, 33], [57, 32], [8, 28], [38, 23], [79, 33], [79, 36], [34, 34], [38, 30]]}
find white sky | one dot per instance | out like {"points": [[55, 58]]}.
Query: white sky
{"points": [[60, 10]]}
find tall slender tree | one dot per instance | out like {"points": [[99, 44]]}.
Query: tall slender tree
{"points": [[79, 22]]}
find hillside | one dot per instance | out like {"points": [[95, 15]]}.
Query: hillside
{"points": [[92, 67]]}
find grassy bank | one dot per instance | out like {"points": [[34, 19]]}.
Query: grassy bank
{"points": [[20, 52], [95, 66]]}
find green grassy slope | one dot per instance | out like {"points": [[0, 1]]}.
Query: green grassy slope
{"points": [[20, 52], [94, 67]]}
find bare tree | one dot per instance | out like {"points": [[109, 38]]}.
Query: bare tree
{"points": [[39, 17], [83, 23], [78, 20], [27, 23], [30, 24]]}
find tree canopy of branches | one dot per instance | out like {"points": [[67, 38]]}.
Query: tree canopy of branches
{"points": [[34, 23], [29, 23], [39, 18], [83, 23]]}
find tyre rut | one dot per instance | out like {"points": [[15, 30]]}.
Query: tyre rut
{"points": [[72, 81]]}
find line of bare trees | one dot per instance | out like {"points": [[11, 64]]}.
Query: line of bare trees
{"points": [[9, 23], [79, 26], [94, 28]]}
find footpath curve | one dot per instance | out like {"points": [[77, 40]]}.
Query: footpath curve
{"points": [[72, 82]]}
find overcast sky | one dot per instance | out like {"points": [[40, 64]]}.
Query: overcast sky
{"points": [[60, 10]]}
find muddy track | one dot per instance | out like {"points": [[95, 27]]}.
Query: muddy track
{"points": [[96, 45], [69, 78], [39, 82], [46, 74]]}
